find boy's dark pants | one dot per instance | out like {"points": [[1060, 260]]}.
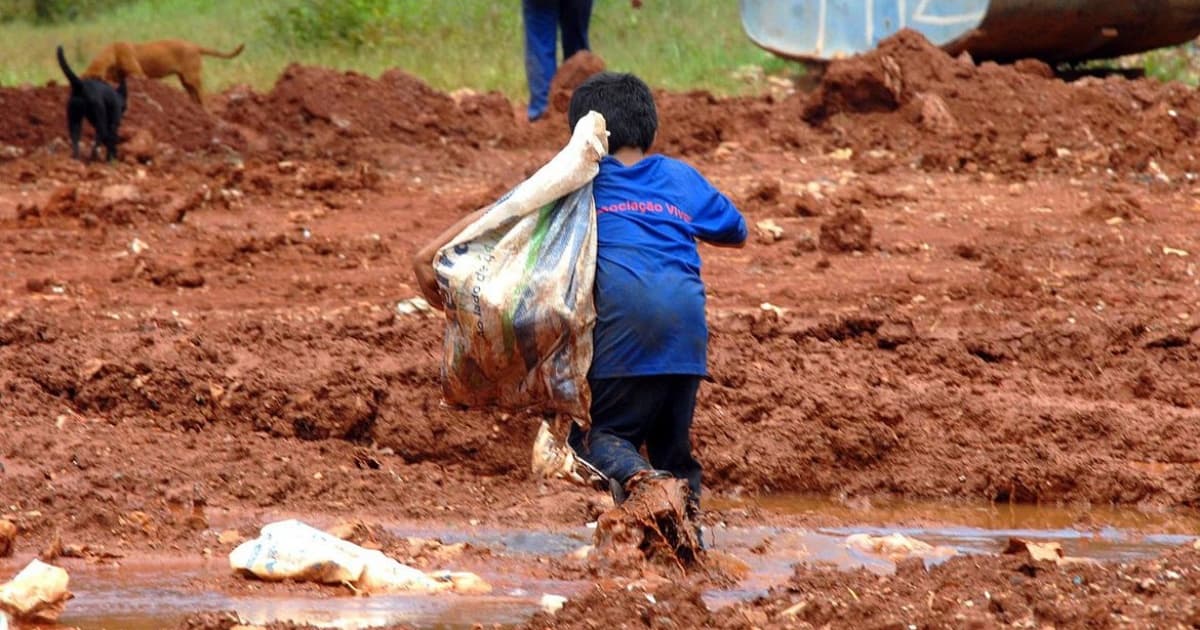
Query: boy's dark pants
{"points": [[631, 411]]}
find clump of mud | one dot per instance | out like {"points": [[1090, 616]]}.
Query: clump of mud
{"points": [[848, 230], [651, 526], [672, 606], [1114, 208], [228, 620]]}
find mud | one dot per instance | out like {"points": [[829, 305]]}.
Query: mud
{"points": [[993, 591], [651, 526], [204, 336]]}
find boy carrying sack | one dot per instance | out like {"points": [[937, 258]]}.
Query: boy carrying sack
{"points": [[650, 338]]}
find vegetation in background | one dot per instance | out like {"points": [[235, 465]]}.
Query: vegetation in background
{"points": [[675, 44], [51, 11]]}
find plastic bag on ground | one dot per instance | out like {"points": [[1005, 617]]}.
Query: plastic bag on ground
{"points": [[517, 285], [296, 551], [38, 593]]}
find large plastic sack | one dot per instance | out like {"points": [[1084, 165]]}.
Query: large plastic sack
{"points": [[517, 285], [293, 550], [38, 593]]}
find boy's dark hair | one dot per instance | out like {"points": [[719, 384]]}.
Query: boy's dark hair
{"points": [[626, 103]]}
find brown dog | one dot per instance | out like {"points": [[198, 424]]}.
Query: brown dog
{"points": [[156, 60]]}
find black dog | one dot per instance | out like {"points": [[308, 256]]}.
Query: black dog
{"points": [[99, 103]]}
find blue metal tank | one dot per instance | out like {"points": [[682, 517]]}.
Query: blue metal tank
{"points": [[1053, 30]]}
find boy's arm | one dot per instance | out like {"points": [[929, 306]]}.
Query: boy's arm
{"points": [[721, 225], [717, 221], [423, 259]]}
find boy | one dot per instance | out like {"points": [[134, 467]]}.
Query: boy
{"points": [[651, 336]]}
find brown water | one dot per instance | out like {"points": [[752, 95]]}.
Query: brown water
{"points": [[145, 596]]}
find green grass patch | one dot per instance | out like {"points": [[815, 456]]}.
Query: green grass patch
{"points": [[675, 44]]}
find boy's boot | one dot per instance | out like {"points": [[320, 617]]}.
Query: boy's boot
{"points": [[622, 492], [693, 514]]}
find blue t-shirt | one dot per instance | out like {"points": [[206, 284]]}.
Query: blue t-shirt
{"points": [[649, 296]]}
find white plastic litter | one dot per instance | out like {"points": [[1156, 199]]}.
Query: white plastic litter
{"points": [[896, 546], [552, 603], [38, 593], [517, 285], [293, 550]]}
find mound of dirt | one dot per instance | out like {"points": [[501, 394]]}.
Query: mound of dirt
{"points": [[33, 116], [170, 117], [910, 97], [36, 116], [985, 592], [571, 74], [335, 110]]}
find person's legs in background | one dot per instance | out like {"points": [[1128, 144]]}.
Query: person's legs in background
{"points": [[541, 18], [574, 19]]}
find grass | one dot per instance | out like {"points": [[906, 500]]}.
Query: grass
{"points": [[676, 44]]}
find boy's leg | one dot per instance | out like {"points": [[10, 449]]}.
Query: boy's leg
{"points": [[669, 441], [541, 51], [622, 409], [574, 22]]}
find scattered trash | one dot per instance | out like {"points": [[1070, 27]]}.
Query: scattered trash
{"points": [[38, 593], [462, 582], [842, 154], [1038, 551], [778, 311], [553, 459], [8, 538], [229, 537], [896, 546], [1043, 552], [138, 246], [412, 306], [1171, 251], [551, 604], [293, 550], [769, 231]]}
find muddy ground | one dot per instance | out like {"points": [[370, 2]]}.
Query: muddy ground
{"points": [[985, 285]]}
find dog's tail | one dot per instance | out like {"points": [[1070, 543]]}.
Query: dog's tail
{"points": [[62, 63], [216, 53]]}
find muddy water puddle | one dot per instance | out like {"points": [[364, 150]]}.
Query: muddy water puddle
{"points": [[137, 596], [145, 596]]}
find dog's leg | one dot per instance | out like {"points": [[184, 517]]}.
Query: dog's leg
{"points": [[191, 82], [74, 125], [100, 126], [110, 142]]}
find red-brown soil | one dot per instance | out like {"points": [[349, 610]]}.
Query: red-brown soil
{"points": [[209, 325], [965, 592]]}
